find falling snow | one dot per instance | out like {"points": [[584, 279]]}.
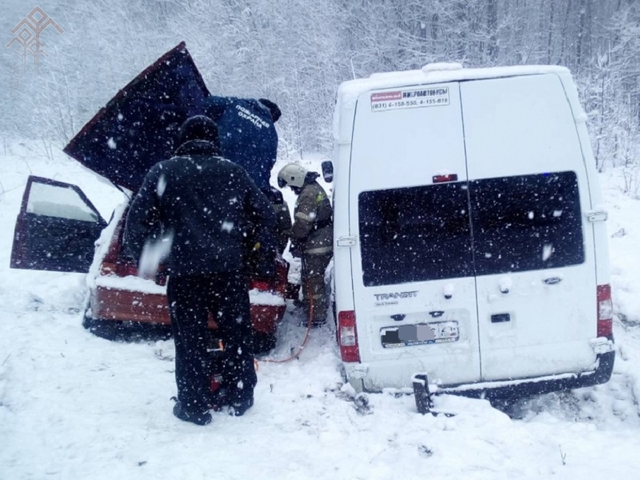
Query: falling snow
{"points": [[73, 405]]}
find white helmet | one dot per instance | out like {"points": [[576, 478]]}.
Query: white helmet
{"points": [[293, 175]]}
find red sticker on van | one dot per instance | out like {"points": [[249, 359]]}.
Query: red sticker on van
{"points": [[385, 96]]}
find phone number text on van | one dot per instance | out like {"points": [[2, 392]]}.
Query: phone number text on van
{"points": [[425, 97]]}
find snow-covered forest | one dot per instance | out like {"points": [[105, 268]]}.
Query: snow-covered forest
{"points": [[297, 53]]}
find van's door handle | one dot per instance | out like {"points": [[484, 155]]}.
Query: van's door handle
{"points": [[552, 280], [500, 318], [594, 216], [346, 242]]}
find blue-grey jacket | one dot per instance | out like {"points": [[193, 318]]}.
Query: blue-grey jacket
{"points": [[248, 136]]}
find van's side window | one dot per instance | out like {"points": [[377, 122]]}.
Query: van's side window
{"points": [[415, 234], [527, 222]]}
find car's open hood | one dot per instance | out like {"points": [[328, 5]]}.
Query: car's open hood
{"points": [[139, 126]]}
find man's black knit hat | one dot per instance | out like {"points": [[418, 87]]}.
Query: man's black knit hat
{"points": [[199, 127]]}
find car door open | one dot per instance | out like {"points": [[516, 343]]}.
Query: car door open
{"points": [[56, 228]]}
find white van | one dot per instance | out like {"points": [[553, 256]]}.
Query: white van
{"points": [[469, 241]]}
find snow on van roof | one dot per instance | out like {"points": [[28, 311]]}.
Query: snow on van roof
{"points": [[436, 73], [432, 73]]}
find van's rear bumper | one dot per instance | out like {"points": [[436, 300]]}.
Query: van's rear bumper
{"points": [[357, 376], [536, 386]]}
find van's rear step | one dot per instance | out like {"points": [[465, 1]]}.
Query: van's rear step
{"points": [[514, 389], [424, 398]]}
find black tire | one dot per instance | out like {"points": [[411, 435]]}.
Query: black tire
{"points": [[120, 331], [263, 342], [106, 329]]}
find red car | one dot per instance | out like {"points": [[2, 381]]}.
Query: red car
{"points": [[58, 226]]}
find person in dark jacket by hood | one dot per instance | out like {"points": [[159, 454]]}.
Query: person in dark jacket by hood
{"points": [[248, 135], [208, 214]]}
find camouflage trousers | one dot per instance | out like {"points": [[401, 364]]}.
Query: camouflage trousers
{"points": [[315, 294]]}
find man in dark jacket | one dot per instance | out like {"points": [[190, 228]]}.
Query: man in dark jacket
{"points": [[311, 236], [212, 216]]}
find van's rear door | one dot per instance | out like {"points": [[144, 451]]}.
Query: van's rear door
{"points": [[534, 252], [414, 291]]}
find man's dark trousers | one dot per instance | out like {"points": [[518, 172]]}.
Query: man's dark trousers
{"points": [[191, 298]]}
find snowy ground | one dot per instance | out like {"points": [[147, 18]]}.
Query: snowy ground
{"points": [[74, 406]]}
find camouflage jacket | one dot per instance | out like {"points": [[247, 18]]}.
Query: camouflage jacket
{"points": [[312, 229]]}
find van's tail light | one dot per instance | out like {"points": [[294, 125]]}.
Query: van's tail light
{"points": [[348, 337], [605, 311]]}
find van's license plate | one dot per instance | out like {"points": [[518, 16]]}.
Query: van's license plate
{"points": [[420, 334]]}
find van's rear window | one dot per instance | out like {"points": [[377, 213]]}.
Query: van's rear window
{"points": [[527, 222], [520, 223], [415, 234]]}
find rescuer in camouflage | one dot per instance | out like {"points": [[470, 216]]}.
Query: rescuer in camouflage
{"points": [[311, 236]]}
